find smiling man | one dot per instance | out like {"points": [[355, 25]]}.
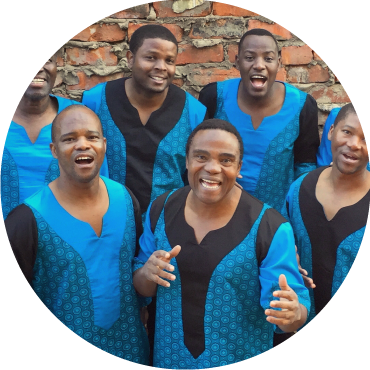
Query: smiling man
{"points": [[277, 122], [75, 241], [328, 209], [231, 256], [27, 163], [146, 119]]}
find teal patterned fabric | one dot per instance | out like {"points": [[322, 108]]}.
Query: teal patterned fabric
{"points": [[234, 323]]}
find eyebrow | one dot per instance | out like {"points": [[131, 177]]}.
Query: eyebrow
{"points": [[201, 151], [254, 52], [74, 133]]}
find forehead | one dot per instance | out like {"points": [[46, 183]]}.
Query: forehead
{"points": [[78, 119], [351, 120], [255, 42], [215, 139], [157, 44]]}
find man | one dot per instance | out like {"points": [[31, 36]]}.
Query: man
{"points": [[229, 254], [278, 123], [75, 241], [328, 210], [324, 156], [145, 118], [27, 163]]}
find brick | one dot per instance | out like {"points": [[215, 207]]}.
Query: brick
{"points": [[60, 61], [222, 9], [140, 11], [281, 75], [164, 9], [101, 32], [191, 54], [308, 74], [178, 82], [59, 79], [220, 28], [273, 28], [203, 76], [332, 94], [232, 51], [316, 57], [296, 55], [86, 82], [82, 57], [174, 28]]}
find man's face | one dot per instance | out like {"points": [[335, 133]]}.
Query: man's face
{"points": [[258, 62], [153, 65], [213, 163], [43, 82], [348, 145], [79, 145]]}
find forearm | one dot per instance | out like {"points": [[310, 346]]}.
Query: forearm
{"points": [[296, 324], [143, 286]]}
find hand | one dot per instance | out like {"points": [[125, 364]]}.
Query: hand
{"points": [[308, 282], [289, 304], [237, 184], [153, 270]]}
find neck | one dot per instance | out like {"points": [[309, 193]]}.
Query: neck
{"points": [[214, 210], [348, 182], [144, 98], [257, 103], [77, 192], [29, 107]]}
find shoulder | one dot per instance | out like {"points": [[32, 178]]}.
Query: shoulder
{"points": [[20, 217], [64, 102]]}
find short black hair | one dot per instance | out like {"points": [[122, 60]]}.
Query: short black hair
{"points": [[258, 32], [344, 112], [150, 31], [216, 124], [57, 118]]}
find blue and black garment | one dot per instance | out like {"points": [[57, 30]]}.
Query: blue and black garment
{"points": [[85, 280], [282, 148], [149, 159], [26, 167], [327, 249], [213, 313]]}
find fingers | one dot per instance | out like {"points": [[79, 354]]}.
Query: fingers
{"points": [[283, 283], [175, 251], [308, 282], [302, 271], [280, 317]]}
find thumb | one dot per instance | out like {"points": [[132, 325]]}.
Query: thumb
{"points": [[175, 251], [283, 282]]}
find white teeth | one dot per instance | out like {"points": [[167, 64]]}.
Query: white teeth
{"points": [[258, 77], [209, 184], [210, 181], [82, 158], [37, 80], [157, 78]]}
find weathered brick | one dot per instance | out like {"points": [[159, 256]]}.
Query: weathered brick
{"points": [[191, 54], [331, 94], [59, 79], [86, 82], [174, 28], [203, 76], [101, 32], [281, 75], [220, 28], [178, 82], [81, 57], [274, 28], [232, 51], [309, 74], [60, 61], [140, 11], [222, 9], [316, 57], [296, 55], [164, 9]]}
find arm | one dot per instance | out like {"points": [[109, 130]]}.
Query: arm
{"points": [[21, 228], [281, 259], [305, 147]]}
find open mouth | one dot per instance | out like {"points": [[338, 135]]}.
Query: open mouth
{"points": [[349, 157], [258, 81], [157, 79], [210, 184], [38, 81], [84, 160]]}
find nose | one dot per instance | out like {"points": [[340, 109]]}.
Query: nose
{"points": [[82, 143], [259, 63], [354, 142], [212, 166], [160, 64]]}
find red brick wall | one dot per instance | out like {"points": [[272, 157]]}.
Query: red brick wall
{"points": [[208, 35]]}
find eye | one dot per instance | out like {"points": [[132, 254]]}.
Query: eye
{"points": [[226, 161], [269, 59], [149, 57], [200, 157], [170, 61], [68, 139], [249, 58]]}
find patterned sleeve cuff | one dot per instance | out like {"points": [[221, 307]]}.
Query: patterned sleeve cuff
{"points": [[301, 168]]}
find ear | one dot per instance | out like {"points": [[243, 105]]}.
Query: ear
{"points": [[105, 144], [330, 133], [237, 62], [279, 61], [187, 161], [239, 167], [130, 59], [53, 150]]}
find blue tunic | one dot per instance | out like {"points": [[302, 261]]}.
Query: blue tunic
{"points": [[149, 159], [86, 280], [277, 152], [213, 313], [327, 249], [324, 156], [26, 166]]}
